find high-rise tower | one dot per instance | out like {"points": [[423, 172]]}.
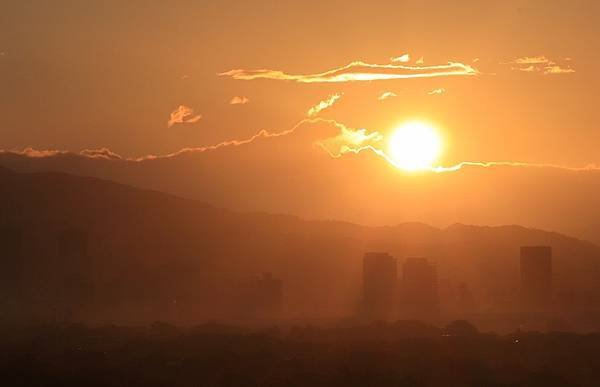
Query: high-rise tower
{"points": [[379, 284]]}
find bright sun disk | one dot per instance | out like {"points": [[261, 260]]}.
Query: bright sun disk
{"points": [[414, 146]]}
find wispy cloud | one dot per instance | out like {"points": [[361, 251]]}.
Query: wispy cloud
{"points": [[556, 69], [347, 141], [540, 59], [239, 100], [404, 58], [326, 103], [526, 69], [262, 134], [102, 153], [439, 90], [540, 64], [358, 71], [351, 141], [183, 115], [354, 141], [488, 164], [386, 95], [38, 153]]}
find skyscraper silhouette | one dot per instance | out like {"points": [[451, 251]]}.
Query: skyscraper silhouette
{"points": [[536, 278], [379, 284], [419, 291]]}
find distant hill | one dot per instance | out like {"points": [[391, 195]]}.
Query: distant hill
{"points": [[288, 174], [146, 246]]}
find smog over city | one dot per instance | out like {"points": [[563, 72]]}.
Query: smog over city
{"points": [[299, 193]]}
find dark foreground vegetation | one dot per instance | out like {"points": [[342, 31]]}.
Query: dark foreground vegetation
{"points": [[400, 354]]}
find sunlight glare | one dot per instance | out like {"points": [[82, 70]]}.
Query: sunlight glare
{"points": [[414, 146]]}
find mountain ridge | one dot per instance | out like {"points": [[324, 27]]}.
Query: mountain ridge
{"points": [[148, 244]]}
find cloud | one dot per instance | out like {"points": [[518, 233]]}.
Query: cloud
{"points": [[358, 71], [347, 141], [420, 61], [556, 69], [236, 142], [386, 95], [351, 141], [402, 58], [540, 59], [488, 164], [38, 153], [239, 100], [540, 64], [526, 69], [102, 153], [439, 90], [326, 103], [183, 115], [354, 141]]}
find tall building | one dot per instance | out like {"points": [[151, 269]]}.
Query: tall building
{"points": [[379, 284], [419, 291], [536, 278]]}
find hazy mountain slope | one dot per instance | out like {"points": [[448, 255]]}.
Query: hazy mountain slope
{"points": [[145, 242], [290, 175]]}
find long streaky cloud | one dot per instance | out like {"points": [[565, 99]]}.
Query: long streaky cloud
{"points": [[347, 141], [358, 71], [488, 164], [326, 103], [354, 141], [238, 142], [104, 153]]}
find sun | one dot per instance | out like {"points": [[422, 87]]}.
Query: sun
{"points": [[414, 146]]}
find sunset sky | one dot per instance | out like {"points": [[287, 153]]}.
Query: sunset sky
{"points": [[511, 82]]}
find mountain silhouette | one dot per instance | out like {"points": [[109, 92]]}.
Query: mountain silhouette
{"points": [[147, 248], [289, 174]]}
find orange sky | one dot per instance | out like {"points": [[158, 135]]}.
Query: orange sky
{"points": [[510, 81]]}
